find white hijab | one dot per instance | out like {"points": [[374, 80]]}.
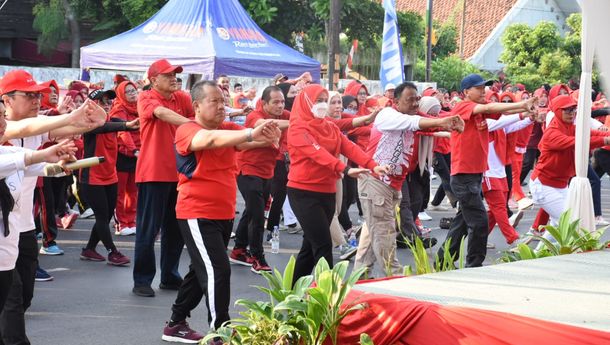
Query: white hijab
{"points": [[431, 106]]}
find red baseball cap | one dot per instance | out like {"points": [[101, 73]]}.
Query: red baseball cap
{"points": [[562, 102], [161, 67], [20, 80]]}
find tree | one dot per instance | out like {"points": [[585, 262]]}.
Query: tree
{"points": [[448, 72]]}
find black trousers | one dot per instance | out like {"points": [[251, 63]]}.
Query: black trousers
{"points": [[6, 280], [471, 220], [602, 162], [529, 159], [278, 192], [44, 198], [251, 227], [60, 187], [314, 212], [442, 166], [157, 212], [407, 214], [12, 319], [209, 272], [102, 200], [350, 196]]}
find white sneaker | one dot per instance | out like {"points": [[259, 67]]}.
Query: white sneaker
{"points": [[87, 214], [525, 203], [424, 216], [515, 218], [600, 221], [126, 231], [439, 208]]}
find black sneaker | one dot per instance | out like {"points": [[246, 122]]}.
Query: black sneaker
{"points": [[429, 242], [143, 291], [445, 223]]}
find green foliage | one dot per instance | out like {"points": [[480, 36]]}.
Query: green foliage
{"points": [[137, 11], [365, 339], [448, 72], [568, 237], [294, 314], [446, 43], [555, 66], [49, 21], [422, 259], [261, 11]]}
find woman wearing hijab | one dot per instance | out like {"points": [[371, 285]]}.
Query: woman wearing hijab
{"points": [[521, 140], [125, 108], [99, 188], [556, 166], [358, 90], [314, 145]]}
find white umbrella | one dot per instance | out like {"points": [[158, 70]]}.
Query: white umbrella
{"points": [[580, 200]]}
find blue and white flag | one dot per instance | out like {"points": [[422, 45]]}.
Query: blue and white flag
{"points": [[391, 50]]}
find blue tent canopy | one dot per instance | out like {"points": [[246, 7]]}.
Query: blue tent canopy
{"points": [[208, 37]]}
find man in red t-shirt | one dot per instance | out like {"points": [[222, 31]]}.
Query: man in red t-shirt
{"points": [[469, 162], [256, 169], [161, 109], [205, 152]]}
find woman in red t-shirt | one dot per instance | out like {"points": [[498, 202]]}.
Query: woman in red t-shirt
{"points": [[314, 145]]}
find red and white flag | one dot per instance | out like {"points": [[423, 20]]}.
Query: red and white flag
{"points": [[350, 58]]}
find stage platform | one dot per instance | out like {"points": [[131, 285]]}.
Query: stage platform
{"points": [[569, 289]]}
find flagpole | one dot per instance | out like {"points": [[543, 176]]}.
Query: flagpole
{"points": [[429, 41], [333, 41]]}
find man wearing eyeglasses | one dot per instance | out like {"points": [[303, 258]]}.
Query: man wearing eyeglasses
{"points": [[22, 95], [392, 141], [161, 110]]}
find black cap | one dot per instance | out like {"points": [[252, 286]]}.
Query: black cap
{"points": [[97, 95]]}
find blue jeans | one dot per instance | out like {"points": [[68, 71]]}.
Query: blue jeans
{"points": [[157, 212]]}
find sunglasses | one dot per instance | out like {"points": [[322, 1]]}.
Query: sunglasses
{"points": [[29, 95], [570, 110], [507, 101], [362, 94]]}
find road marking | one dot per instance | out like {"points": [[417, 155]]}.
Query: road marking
{"points": [[58, 269]]}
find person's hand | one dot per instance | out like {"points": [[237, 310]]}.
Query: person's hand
{"points": [[372, 116], [381, 169], [89, 115], [247, 110], [63, 150], [268, 131], [135, 124], [66, 105], [356, 172], [453, 123], [529, 105]]}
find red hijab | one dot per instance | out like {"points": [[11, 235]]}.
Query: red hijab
{"points": [[325, 133], [507, 94], [78, 86], [44, 103], [489, 94], [554, 92], [121, 100], [352, 89], [560, 103]]}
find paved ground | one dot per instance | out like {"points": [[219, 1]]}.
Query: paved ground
{"points": [[91, 303]]}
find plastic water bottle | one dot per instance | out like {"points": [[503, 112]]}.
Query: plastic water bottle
{"points": [[275, 240], [353, 241]]}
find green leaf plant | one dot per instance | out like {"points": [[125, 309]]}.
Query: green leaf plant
{"points": [[299, 313]]}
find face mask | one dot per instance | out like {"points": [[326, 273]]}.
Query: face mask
{"points": [[288, 103], [320, 110], [350, 111]]}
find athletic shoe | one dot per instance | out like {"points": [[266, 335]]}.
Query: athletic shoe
{"points": [[525, 203], [515, 218], [88, 213], [294, 229], [39, 236], [143, 291], [424, 216], [170, 286], [260, 265], [438, 208], [241, 256], [68, 220], [512, 204], [347, 251], [126, 231], [445, 223], [42, 275], [115, 258], [600, 221], [491, 245], [91, 255], [521, 240], [354, 229], [181, 333], [429, 242], [51, 250]]}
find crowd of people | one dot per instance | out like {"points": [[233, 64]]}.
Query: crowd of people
{"points": [[174, 161]]}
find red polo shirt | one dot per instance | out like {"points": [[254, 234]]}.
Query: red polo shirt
{"points": [[157, 159], [206, 185], [469, 148], [260, 161]]}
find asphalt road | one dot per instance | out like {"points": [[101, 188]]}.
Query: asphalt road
{"points": [[90, 303]]}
